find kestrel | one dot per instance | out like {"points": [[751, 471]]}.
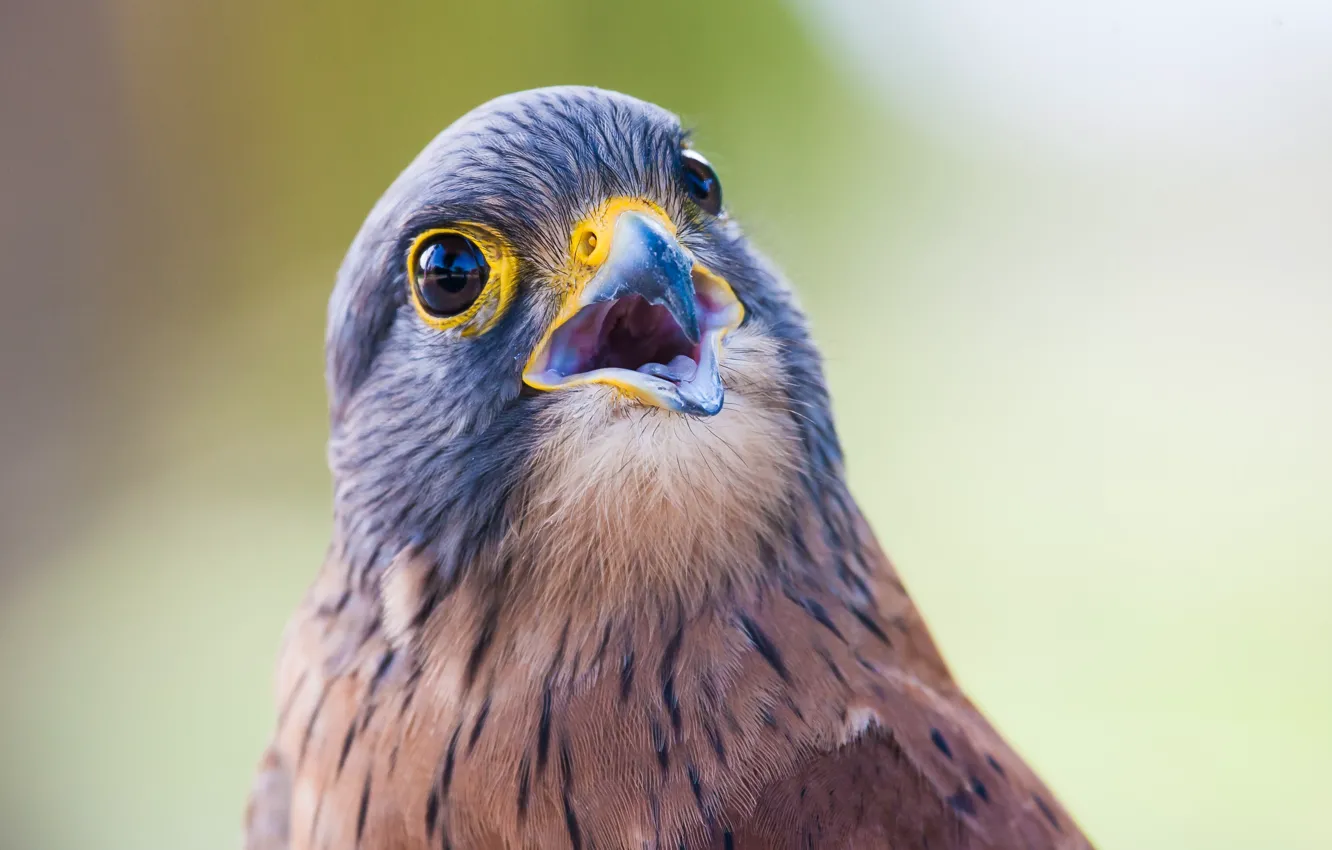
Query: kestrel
{"points": [[596, 579]]}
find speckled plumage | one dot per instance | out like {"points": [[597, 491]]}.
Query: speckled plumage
{"points": [[571, 620]]}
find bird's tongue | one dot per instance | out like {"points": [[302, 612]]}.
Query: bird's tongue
{"points": [[703, 388], [681, 368], [646, 338]]}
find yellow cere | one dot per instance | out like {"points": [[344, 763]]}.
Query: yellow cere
{"points": [[499, 290], [592, 235]]}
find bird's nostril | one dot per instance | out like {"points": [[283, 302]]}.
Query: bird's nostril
{"points": [[585, 246]]}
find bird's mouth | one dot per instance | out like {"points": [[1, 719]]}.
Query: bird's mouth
{"points": [[648, 319]]}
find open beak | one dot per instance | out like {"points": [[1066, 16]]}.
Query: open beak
{"points": [[643, 315]]}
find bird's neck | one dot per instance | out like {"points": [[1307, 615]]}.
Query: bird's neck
{"points": [[566, 569], [524, 596]]}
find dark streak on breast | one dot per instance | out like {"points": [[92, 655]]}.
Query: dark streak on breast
{"points": [[479, 724], [672, 704], [371, 630], [566, 764], [479, 649], [767, 553], [672, 652], [566, 777], [432, 812], [626, 676], [366, 716], [660, 744], [654, 807], [832, 666], [815, 610], [669, 657], [715, 738], [852, 579], [868, 622], [733, 722], [978, 788], [543, 731], [765, 647], [571, 824], [961, 802], [326, 610], [346, 746], [559, 651], [1047, 811], [431, 597], [798, 538], [365, 807], [940, 742], [380, 670], [409, 691], [524, 786], [696, 785], [310, 724], [446, 775], [605, 641]]}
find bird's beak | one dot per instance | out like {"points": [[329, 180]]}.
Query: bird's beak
{"points": [[642, 315]]}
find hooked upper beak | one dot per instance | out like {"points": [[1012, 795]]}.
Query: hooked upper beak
{"points": [[643, 316]]}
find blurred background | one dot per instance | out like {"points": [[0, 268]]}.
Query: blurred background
{"points": [[1071, 265]]}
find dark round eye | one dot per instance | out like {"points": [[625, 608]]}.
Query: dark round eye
{"points": [[701, 181], [450, 273]]}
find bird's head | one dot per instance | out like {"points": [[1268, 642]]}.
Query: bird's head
{"points": [[550, 344]]}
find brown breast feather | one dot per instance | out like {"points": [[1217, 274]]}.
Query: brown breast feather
{"points": [[780, 715]]}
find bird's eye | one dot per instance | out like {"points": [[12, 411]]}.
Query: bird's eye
{"points": [[451, 272], [701, 181]]}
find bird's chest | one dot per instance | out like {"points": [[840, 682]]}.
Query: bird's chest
{"points": [[630, 755], [644, 743], [607, 729]]}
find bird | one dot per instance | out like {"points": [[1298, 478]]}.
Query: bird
{"points": [[596, 578]]}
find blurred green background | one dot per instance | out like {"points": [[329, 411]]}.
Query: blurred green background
{"points": [[1071, 269]]}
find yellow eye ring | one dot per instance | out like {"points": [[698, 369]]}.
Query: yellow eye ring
{"points": [[496, 294]]}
